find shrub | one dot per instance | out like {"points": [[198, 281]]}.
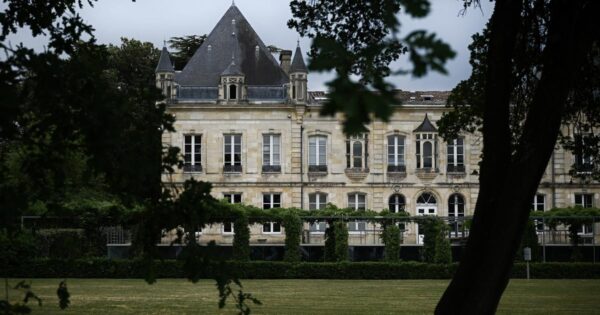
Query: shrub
{"points": [[391, 239], [293, 229], [137, 269], [329, 250], [241, 238], [341, 241], [436, 246]]}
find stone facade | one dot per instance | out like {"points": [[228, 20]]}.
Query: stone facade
{"points": [[295, 120]]}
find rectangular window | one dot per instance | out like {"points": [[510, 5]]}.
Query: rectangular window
{"points": [[271, 200], [231, 198], [357, 201], [232, 153], [538, 204], [456, 156], [317, 153], [192, 153], [584, 200], [271, 153], [317, 201], [356, 151], [396, 154]]}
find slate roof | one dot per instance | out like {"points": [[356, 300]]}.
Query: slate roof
{"points": [[426, 126], [164, 62], [213, 57], [298, 62], [232, 69]]}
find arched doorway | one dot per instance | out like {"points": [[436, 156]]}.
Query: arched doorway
{"points": [[426, 205]]}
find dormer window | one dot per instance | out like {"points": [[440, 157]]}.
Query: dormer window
{"points": [[426, 150], [232, 92]]}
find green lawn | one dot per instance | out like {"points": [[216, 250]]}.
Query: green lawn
{"points": [[110, 296]]}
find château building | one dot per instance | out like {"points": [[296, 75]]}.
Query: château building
{"points": [[247, 123]]}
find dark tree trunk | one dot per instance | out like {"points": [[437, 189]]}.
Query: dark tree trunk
{"points": [[509, 181]]}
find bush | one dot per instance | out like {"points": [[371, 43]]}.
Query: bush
{"points": [[137, 269], [391, 239], [341, 241], [436, 246], [241, 238], [293, 228], [329, 250]]}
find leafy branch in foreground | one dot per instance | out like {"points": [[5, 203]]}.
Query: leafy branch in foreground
{"points": [[359, 40]]}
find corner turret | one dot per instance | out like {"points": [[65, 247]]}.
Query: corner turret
{"points": [[298, 78], [165, 74]]}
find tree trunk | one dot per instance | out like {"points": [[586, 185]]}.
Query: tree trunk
{"points": [[508, 182]]}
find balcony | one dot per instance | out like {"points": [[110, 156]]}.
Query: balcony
{"points": [[232, 168], [188, 168], [271, 169], [357, 173]]}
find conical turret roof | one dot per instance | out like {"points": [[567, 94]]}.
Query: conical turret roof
{"points": [[164, 62], [298, 64]]}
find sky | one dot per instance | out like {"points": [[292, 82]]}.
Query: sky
{"points": [[158, 20]]}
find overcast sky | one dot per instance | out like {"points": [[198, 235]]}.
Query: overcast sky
{"points": [[157, 20]]}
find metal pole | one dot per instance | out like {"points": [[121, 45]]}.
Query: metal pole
{"points": [[528, 270], [594, 240], [544, 239]]}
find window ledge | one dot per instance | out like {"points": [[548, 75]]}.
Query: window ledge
{"points": [[271, 169], [357, 174]]}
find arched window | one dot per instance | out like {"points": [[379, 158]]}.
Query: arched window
{"points": [[396, 203], [426, 149], [426, 204], [232, 92], [456, 206], [356, 151]]}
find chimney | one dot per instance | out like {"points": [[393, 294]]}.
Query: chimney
{"points": [[285, 58]]}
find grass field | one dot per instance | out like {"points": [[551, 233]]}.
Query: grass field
{"points": [[172, 296]]}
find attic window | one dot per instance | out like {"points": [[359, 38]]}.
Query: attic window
{"points": [[209, 48], [233, 22], [232, 92], [256, 48]]}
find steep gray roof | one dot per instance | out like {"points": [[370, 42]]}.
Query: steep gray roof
{"points": [[426, 126], [164, 62], [298, 62], [232, 34], [232, 69]]}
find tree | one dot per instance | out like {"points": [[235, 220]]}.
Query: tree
{"points": [[518, 137], [185, 47]]}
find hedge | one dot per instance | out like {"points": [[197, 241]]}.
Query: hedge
{"points": [[104, 268]]}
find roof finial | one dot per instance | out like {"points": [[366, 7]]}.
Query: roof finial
{"points": [[233, 3], [164, 42], [298, 42]]}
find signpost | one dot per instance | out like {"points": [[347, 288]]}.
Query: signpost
{"points": [[527, 257]]}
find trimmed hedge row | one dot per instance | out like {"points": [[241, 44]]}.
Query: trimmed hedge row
{"points": [[104, 268]]}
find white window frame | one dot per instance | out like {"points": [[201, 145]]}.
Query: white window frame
{"points": [[314, 151], [231, 198], [535, 207], [320, 201], [231, 152], [269, 151], [355, 204], [270, 205], [397, 149], [455, 213], [363, 140], [453, 149], [584, 229], [396, 203], [422, 139], [193, 153]]}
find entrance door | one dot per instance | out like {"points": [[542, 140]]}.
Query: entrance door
{"points": [[423, 210]]}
